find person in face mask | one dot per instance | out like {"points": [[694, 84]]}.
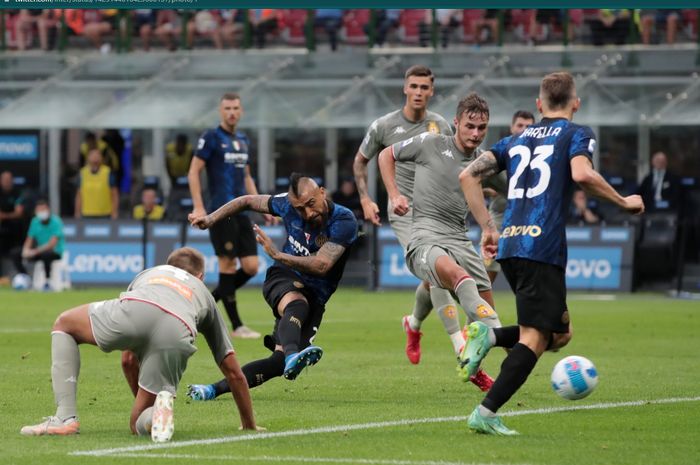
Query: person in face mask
{"points": [[44, 240]]}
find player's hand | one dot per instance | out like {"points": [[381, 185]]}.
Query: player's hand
{"points": [[634, 204], [370, 211], [271, 220], [201, 222], [265, 241], [257, 428], [400, 205], [489, 244]]}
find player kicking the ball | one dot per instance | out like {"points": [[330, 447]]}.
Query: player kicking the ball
{"points": [[300, 282], [156, 319]]}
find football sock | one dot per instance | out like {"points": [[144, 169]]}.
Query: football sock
{"points": [[221, 387], [476, 308], [515, 369], [449, 318], [505, 336], [240, 277], [65, 368], [263, 370], [421, 307], [144, 422], [457, 342], [289, 328], [227, 291]]}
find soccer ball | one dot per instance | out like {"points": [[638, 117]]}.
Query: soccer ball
{"points": [[574, 377], [21, 282]]}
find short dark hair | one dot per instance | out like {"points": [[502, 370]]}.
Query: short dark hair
{"points": [[472, 104], [90, 136], [524, 114], [188, 259], [557, 89], [41, 201], [230, 96], [420, 71]]}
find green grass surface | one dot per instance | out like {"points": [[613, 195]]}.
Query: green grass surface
{"points": [[644, 346]]}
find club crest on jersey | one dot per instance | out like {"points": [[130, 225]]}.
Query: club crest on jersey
{"points": [[236, 146], [433, 127], [308, 237]]}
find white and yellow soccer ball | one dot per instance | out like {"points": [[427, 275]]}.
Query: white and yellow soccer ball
{"points": [[574, 377]]}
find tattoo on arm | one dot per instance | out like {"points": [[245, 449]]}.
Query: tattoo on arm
{"points": [[484, 166], [258, 203], [359, 170], [318, 264]]}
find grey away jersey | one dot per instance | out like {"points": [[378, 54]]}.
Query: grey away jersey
{"points": [[182, 295], [394, 127], [439, 208]]}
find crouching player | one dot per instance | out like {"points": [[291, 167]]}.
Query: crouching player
{"points": [[300, 282], [157, 320]]}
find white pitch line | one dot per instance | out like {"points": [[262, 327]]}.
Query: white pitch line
{"points": [[46, 330], [285, 459], [373, 425]]}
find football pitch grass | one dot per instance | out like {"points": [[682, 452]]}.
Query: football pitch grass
{"points": [[364, 403]]}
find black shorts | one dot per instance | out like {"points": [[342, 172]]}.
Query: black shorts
{"points": [[280, 281], [540, 293], [233, 237]]}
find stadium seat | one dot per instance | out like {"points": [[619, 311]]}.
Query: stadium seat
{"points": [[292, 25], [353, 29], [409, 21], [469, 19]]}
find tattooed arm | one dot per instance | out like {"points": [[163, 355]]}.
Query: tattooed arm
{"points": [[257, 203], [317, 265], [369, 206], [470, 179]]}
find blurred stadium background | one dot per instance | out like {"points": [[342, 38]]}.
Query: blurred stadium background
{"points": [[308, 104]]}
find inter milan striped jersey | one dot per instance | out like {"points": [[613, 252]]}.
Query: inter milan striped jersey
{"points": [[226, 156], [540, 188], [303, 240]]}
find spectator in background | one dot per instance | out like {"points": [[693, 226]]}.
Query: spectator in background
{"points": [[11, 215], [97, 195], [44, 241], [580, 212], [178, 155], [232, 27], [98, 23], [26, 20], [149, 208], [109, 156], [611, 26], [168, 28], [487, 27], [386, 20], [262, 22], [448, 20], [668, 19], [205, 23], [660, 190], [144, 25], [348, 197], [330, 20]]}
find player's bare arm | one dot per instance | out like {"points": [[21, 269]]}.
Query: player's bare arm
{"points": [[317, 265], [256, 203], [387, 167], [370, 209], [593, 183], [239, 389], [470, 179], [196, 167]]}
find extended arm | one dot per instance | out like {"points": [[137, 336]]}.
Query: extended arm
{"points": [[369, 207], [196, 166], [470, 179], [249, 183], [239, 388], [257, 203], [387, 167], [593, 183]]}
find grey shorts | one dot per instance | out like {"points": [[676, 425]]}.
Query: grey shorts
{"points": [[401, 225], [421, 259], [162, 343]]}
